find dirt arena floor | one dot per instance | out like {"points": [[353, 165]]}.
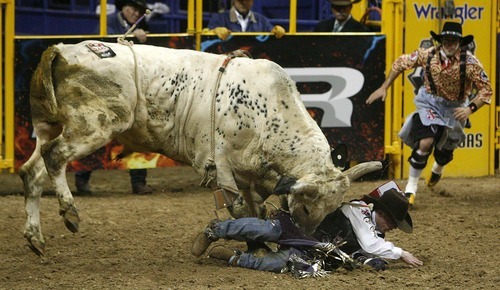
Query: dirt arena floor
{"points": [[143, 242]]}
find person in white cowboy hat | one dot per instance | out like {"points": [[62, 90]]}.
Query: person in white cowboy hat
{"points": [[342, 20], [443, 104]]}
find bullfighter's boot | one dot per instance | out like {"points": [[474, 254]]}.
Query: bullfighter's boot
{"points": [[411, 198], [436, 173], [204, 239], [433, 179], [222, 253]]}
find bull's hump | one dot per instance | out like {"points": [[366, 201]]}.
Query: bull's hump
{"points": [[147, 55]]}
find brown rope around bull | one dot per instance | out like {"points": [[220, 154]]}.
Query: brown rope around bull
{"points": [[210, 167]]}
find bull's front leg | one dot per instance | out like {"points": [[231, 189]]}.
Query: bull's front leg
{"points": [[243, 202], [247, 204], [33, 174]]}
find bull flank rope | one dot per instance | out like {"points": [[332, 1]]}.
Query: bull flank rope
{"points": [[210, 167]]}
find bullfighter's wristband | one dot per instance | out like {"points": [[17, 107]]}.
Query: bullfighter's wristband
{"points": [[473, 107]]}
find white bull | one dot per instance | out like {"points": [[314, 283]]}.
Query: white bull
{"points": [[244, 125]]}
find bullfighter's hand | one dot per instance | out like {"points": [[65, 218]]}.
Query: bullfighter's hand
{"points": [[380, 93], [410, 259], [222, 32], [278, 31], [140, 34], [462, 114]]}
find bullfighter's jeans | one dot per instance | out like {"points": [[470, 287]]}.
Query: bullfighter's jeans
{"points": [[258, 230]]}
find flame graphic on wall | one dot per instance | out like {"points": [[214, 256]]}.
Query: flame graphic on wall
{"points": [[103, 158]]}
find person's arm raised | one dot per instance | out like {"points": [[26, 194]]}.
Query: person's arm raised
{"points": [[381, 92]]}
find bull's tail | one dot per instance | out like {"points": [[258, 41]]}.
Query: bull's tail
{"points": [[44, 111]]}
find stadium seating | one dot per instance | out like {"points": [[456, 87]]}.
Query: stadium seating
{"points": [[78, 17]]}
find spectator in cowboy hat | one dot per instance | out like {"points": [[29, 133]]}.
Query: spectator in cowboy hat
{"points": [[342, 20], [127, 13]]}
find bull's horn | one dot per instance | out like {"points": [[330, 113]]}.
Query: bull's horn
{"points": [[361, 169], [303, 188]]}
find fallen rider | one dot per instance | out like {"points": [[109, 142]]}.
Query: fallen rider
{"points": [[351, 236]]}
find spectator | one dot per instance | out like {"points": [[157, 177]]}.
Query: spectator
{"points": [[127, 13], [240, 18], [157, 8], [342, 20], [355, 223]]}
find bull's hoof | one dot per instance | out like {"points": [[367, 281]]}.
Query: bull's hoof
{"points": [[71, 219], [37, 246], [240, 209]]}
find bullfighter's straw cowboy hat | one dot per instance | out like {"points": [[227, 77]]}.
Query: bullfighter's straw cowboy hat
{"points": [[395, 205], [452, 29]]}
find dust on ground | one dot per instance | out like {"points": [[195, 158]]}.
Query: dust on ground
{"points": [[143, 242]]}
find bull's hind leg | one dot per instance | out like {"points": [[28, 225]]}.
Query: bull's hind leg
{"points": [[56, 155], [33, 174]]}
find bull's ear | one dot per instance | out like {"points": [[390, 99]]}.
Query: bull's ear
{"points": [[339, 156], [284, 185]]}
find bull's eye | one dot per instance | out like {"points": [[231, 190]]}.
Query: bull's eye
{"points": [[306, 211]]}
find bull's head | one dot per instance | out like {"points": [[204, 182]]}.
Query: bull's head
{"points": [[311, 197]]}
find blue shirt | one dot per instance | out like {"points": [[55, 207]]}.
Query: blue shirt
{"points": [[256, 23]]}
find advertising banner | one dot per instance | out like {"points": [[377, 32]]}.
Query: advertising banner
{"points": [[476, 19], [335, 75]]}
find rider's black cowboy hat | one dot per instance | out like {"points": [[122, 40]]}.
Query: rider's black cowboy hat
{"points": [[395, 205], [452, 29]]}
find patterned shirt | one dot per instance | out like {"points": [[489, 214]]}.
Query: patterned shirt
{"points": [[445, 73]]}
